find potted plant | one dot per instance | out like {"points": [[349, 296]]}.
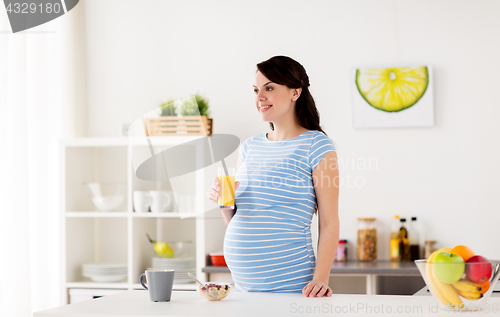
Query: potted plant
{"points": [[197, 106], [192, 119], [168, 108]]}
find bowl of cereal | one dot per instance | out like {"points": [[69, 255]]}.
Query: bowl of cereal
{"points": [[214, 291]]}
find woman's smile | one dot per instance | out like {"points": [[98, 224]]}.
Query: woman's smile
{"points": [[264, 108]]}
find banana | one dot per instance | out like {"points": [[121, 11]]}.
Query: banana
{"points": [[471, 295], [445, 293], [431, 281], [466, 286], [468, 290], [449, 293]]}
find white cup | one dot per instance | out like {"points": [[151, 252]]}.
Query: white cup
{"points": [[185, 203], [142, 201], [176, 202], [161, 200], [171, 206]]}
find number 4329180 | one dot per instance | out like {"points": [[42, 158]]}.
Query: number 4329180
{"points": [[34, 8]]}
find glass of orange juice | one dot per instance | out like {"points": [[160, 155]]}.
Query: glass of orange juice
{"points": [[226, 184]]}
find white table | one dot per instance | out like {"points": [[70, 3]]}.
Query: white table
{"points": [[189, 303]]}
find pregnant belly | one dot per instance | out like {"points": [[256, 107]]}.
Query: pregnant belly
{"points": [[263, 245]]}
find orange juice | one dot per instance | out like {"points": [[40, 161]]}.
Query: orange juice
{"points": [[226, 198]]}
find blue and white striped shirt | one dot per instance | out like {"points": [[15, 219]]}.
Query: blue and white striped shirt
{"points": [[268, 245]]}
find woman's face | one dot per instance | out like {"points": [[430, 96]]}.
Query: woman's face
{"points": [[274, 102]]}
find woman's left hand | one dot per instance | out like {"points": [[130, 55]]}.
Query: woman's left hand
{"points": [[317, 288]]}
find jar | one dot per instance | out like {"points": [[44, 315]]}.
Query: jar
{"points": [[341, 255], [429, 248], [367, 239]]}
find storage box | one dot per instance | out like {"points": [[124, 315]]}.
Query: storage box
{"points": [[176, 126]]}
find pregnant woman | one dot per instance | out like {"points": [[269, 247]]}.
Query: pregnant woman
{"points": [[283, 179]]}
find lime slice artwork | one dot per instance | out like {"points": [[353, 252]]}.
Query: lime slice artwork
{"points": [[392, 89]]}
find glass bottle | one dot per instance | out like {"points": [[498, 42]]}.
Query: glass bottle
{"points": [[367, 239], [341, 255], [414, 238], [429, 248], [404, 246], [395, 239]]}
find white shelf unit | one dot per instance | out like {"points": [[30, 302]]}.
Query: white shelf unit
{"points": [[119, 236]]}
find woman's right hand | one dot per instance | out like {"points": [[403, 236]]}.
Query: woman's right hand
{"points": [[214, 190]]}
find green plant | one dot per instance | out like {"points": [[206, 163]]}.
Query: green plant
{"points": [[197, 106], [168, 108]]}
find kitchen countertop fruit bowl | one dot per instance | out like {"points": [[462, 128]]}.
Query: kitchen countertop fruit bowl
{"points": [[460, 281], [214, 291]]}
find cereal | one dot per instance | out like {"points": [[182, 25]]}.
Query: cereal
{"points": [[367, 244], [214, 291]]}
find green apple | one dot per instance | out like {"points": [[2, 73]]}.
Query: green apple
{"points": [[448, 267], [164, 250]]}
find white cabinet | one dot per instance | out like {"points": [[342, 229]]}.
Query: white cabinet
{"points": [[120, 236]]}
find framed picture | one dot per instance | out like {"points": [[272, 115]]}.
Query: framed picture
{"points": [[393, 97]]}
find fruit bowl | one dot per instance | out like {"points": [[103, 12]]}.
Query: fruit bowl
{"points": [[462, 295], [181, 249], [107, 196], [214, 291]]}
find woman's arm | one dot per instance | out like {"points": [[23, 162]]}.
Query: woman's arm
{"points": [[326, 184], [228, 213]]}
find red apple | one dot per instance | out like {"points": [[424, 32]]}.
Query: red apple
{"points": [[478, 269]]}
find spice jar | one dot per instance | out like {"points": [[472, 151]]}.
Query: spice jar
{"points": [[429, 248], [367, 239], [341, 255]]}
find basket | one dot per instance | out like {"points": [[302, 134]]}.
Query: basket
{"points": [[177, 126]]}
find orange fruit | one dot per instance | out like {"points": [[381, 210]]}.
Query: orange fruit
{"points": [[485, 286], [465, 252]]}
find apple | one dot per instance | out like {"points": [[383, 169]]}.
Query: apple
{"points": [[448, 267], [478, 269]]}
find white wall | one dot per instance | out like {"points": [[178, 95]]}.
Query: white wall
{"points": [[142, 52]]}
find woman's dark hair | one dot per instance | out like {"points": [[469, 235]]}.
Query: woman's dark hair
{"points": [[286, 71]]}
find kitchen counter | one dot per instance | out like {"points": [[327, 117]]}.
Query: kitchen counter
{"points": [[370, 270], [353, 267], [190, 303]]}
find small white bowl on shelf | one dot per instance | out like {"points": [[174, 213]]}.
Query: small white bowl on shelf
{"points": [[107, 196]]}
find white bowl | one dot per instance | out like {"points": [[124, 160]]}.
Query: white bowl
{"points": [[107, 196]]}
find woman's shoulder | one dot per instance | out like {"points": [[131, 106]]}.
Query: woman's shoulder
{"points": [[318, 135], [319, 138], [248, 141]]}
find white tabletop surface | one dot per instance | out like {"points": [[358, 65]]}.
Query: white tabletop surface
{"points": [[189, 303]]}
